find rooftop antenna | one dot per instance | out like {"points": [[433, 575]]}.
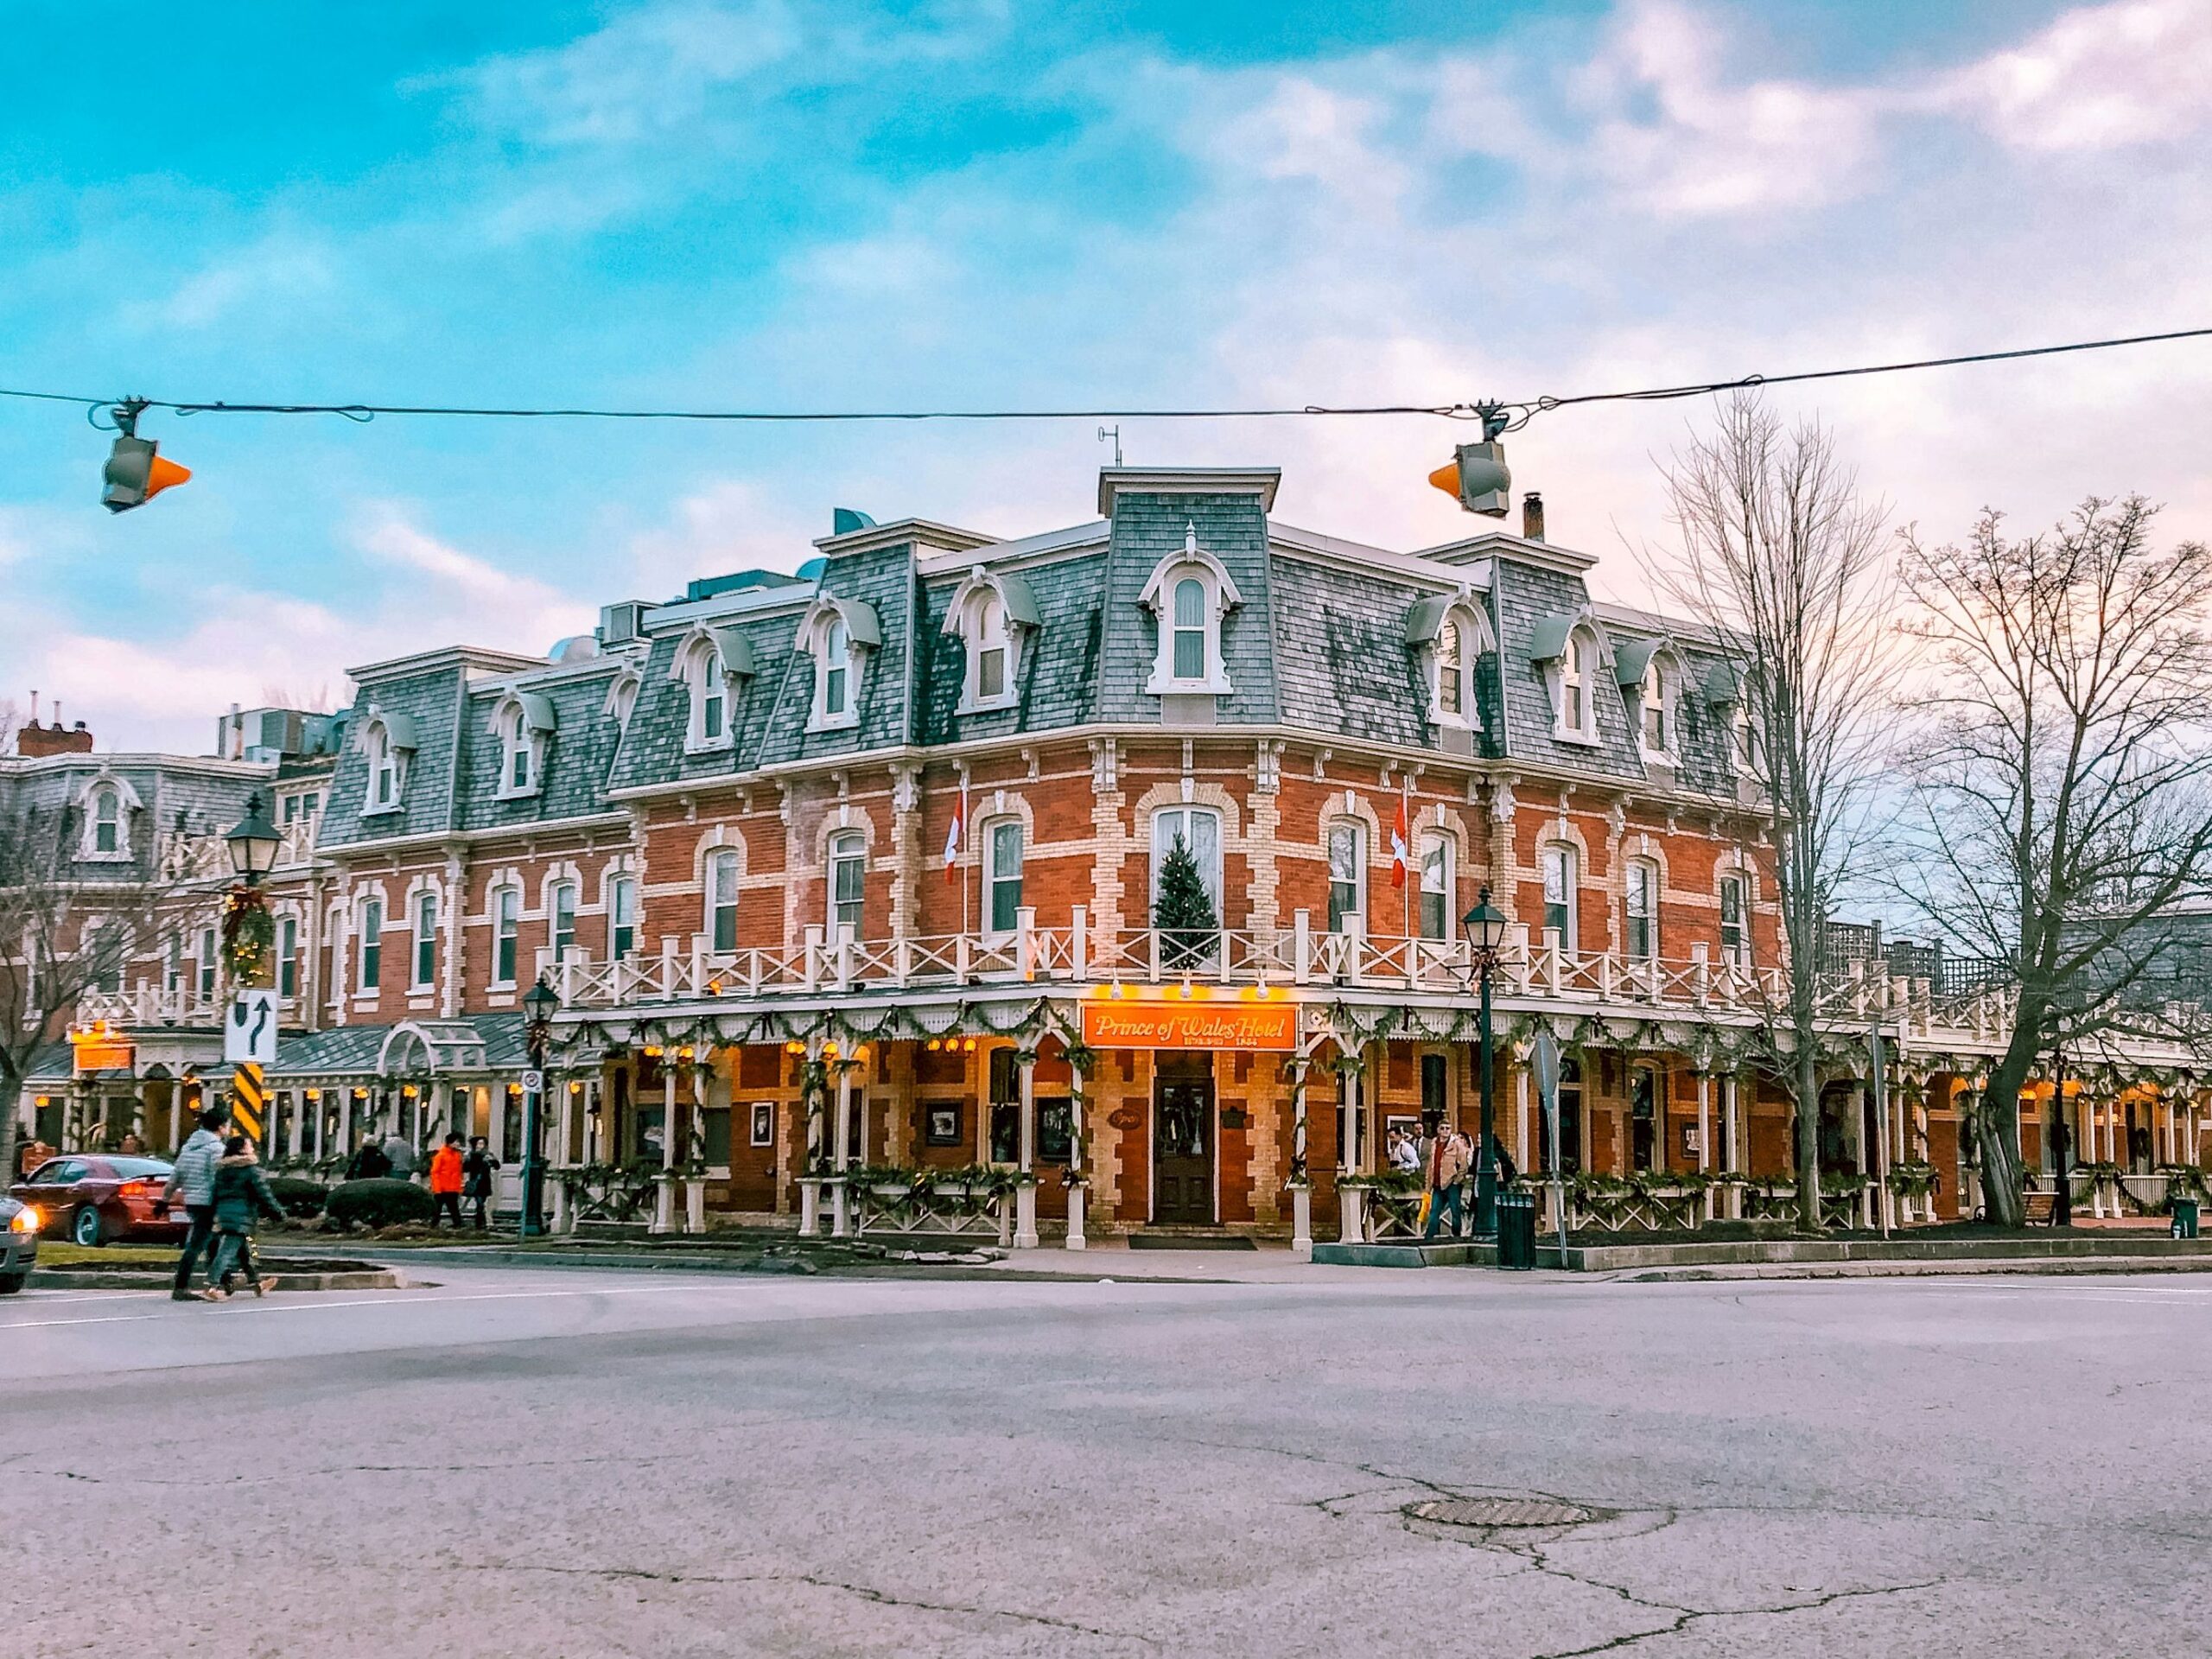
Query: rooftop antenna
{"points": [[1115, 433]]}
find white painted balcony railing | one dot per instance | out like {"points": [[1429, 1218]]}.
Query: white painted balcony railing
{"points": [[1081, 954], [150, 1005]]}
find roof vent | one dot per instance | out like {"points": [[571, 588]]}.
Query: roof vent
{"points": [[621, 622]]}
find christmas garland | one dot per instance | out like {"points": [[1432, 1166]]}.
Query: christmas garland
{"points": [[249, 935]]}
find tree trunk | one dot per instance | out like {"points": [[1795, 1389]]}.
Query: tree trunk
{"points": [[1808, 1138], [1999, 1127]]}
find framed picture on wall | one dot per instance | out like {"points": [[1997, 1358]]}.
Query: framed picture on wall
{"points": [[1055, 1130], [764, 1122], [941, 1126]]}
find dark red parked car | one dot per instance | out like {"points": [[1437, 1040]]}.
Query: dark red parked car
{"points": [[91, 1199]]}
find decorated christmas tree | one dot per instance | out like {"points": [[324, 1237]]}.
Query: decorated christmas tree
{"points": [[1183, 912]]}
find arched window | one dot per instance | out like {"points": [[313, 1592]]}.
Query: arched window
{"points": [[848, 881], [1347, 873], [993, 615], [621, 917], [1559, 877], [524, 723], [1002, 874], [1451, 670], [506, 933], [721, 901], [1189, 594], [1436, 907], [1198, 828], [836, 669], [1641, 908], [1658, 700], [561, 924], [1576, 712], [388, 745], [1735, 933], [372, 952], [426, 939], [107, 820]]}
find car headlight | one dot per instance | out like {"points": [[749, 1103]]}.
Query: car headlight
{"points": [[27, 1220]]}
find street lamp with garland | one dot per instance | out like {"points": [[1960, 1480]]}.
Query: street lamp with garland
{"points": [[539, 1004], [1485, 927]]}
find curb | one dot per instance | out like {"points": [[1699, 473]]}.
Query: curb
{"points": [[2072, 1266], [367, 1279]]}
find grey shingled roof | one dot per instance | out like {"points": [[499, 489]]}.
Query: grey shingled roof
{"points": [[1059, 658], [432, 700], [1147, 526]]}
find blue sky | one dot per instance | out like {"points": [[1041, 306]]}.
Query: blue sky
{"points": [[784, 204]]}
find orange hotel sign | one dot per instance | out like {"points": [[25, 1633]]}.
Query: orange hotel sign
{"points": [[1234, 1027]]}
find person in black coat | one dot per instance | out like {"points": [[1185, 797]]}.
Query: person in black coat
{"points": [[476, 1171], [242, 1197], [370, 1163]]}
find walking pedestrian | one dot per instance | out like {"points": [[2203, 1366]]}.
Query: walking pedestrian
{"points": [[242, 1196], [368, 1162], [1447, 1167], [446, 1181], [477, 1170], [401, 1151], [192, 1183]]}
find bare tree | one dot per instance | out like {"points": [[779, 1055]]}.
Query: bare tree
{"points": [[1782, 558], [61, 937], [2062, 777]]}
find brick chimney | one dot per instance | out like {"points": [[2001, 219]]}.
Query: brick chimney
{"points": [[1532, 516], [35, 740]]}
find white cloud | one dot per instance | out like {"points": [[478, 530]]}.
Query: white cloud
{"points": [[2098, 78], [274, 273], [487, 605]]}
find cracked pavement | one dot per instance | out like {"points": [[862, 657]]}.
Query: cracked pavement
{"points": [[542, 1462]]}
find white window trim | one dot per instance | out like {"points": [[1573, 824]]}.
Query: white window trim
{"points": [[1477, 640], [709, 894], [1362, 854], [1159, 597], [126, 803], [986, 847], [364, 937], [831, 861], [377, 744], [1589, 679], [1571, 894], [814, 641], [574, 888], [1217, 877], [498, 893], [1424, 841], [1666, 671], [415, 937], [979, 617], [699, 665], [510, 723], [615, 882], [1651, 868]]}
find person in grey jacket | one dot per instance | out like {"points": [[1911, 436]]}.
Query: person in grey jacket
{"points": [[242, 1197], [401, 1151], [192, 1183]]}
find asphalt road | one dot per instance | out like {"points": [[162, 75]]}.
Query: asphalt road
{"points": [[542, 1462]]}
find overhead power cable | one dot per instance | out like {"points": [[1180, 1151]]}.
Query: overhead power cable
{"points": [[1521, 412]]}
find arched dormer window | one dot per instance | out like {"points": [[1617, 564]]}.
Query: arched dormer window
{"points": [[994, 616], [838, 633], [388, 743], [622, 696], [1189, 594], [524, 723], [713, 664], [1650, 673], [1572, 653], [106, 804], [1449, 636]]}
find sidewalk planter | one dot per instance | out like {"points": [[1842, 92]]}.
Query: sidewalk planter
{"points": [[1654, 1204], [609, 1193], [1378, 1208]]}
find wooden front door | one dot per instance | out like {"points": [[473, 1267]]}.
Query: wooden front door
{"points": [[1183, 1140]]}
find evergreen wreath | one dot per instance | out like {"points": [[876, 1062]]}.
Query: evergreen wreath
{"points": [[249, 935]]}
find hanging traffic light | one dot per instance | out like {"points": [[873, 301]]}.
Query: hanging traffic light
{"points": [[136, 470], [1477, 476]]}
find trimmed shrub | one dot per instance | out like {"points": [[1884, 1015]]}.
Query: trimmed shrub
{"points": [[385, 1203], [300, 1200]]}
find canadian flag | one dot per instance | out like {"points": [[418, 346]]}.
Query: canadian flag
{"points": [[954, 835], [1401, 833]]}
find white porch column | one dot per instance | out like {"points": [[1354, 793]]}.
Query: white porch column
{"points": [[1731, 1159], [1080, 1106], [1301, 1194], [1025, 1196], [665, 1183], [1705, 1136], [841, 1214], [809, 1195]]}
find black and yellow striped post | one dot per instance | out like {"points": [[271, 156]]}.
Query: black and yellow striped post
{"points": [[249, 1100]]}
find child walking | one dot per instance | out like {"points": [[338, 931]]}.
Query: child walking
{"points": [[242, 1196]]}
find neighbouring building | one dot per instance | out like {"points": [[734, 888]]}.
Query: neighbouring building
{"points": [[856, 869]]}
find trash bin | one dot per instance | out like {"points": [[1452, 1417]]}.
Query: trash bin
{"points": [[2185, 1217], [1516, 1230]]}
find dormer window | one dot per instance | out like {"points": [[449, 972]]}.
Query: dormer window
{"points": [[105, 805], [388, 742], [1449, 637], [1189, 594], [524, 723], [1651, 678], [712, 662], [1571, 652], [994, 616], [838, 633], [1658, 699]]}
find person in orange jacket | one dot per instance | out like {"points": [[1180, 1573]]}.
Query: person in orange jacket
{"points": [[445, 1182]]}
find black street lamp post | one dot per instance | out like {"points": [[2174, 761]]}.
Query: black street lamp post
{"points": [[2062, 1141], [539, 1003], [1485, 928]]}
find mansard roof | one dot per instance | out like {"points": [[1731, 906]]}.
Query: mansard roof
{"points": [[1329, 635]]}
